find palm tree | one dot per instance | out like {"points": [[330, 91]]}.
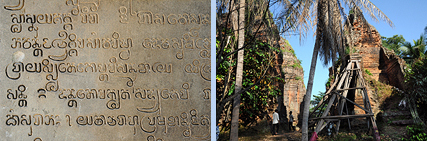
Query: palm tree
{"points": [[328, 16], [411, 52]]}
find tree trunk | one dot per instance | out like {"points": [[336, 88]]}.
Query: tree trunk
{"points": [[234, 133], [308, 94]]}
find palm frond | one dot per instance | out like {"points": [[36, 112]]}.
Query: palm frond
{"points": [[372, 10]]}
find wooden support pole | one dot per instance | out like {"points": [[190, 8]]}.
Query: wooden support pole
{"points": [[368, 105], [320, 105], [350, 88], [321, 122], [343, 77], [348, 120], [343, 116], [354, 103], [365, 93], [327, 96], [320, 112], [343, 98], [339, 91], [325, 113], [323, 126]]}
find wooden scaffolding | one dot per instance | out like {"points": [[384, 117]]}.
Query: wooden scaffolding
{"points": [[336, 97]]}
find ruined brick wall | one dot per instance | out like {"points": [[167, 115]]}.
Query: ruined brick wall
{"points": [[367, 42], [382, 63], [392, 69], [294, 88]]}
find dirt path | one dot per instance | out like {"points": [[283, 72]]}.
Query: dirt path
{"points": [[289, 136]]}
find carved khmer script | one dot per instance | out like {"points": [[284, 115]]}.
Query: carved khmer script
{"points": [[105, 70]]}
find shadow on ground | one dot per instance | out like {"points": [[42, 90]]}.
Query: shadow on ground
{"points": [[261, 132]]}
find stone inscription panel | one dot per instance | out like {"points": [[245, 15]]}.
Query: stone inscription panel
{"points": [[105, 70]]}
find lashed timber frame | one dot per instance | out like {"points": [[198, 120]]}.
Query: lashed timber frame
{"points": [[336, 97]]}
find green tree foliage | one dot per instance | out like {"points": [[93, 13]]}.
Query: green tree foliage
{"points": [[416, 84], [416, 93], [257, 88], [411, 52], [257, 62], [415, 133], [316, 100], [394, 43], [328, 83]]}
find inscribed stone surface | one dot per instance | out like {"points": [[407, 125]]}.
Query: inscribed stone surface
{"points": [[105, 70]]}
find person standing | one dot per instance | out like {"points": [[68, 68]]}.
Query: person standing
{"points": [[291, 121], [275, 122]]}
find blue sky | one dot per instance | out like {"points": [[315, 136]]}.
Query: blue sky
{"points": [[409, 18]]}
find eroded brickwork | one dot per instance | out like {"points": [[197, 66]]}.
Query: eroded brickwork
{"points": [[294, 88], [382, 63]]}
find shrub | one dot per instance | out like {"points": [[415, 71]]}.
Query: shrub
{"points": [[415, 132]]}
